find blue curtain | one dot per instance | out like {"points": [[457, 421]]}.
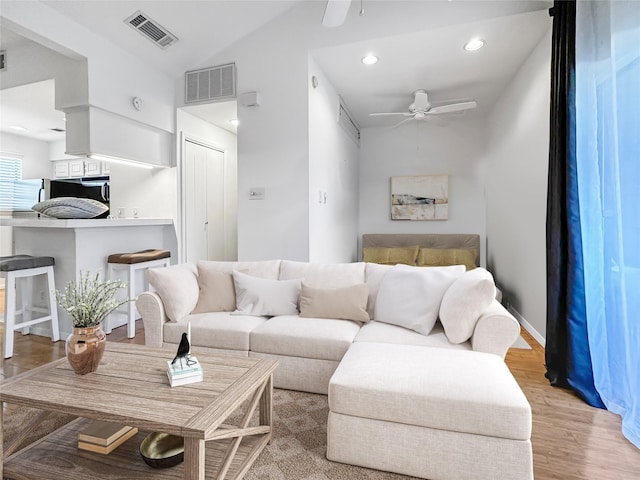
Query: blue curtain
{"points": [[567, 355], [608, 175]]}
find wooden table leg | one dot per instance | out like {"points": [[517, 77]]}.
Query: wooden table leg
{"points": [[2, 438], [194, 451], [266, 406]]}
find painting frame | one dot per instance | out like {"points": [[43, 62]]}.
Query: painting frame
{"points": [[420, 197]]}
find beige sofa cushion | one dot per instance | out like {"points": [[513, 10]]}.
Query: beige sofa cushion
{"points": [[215, 330], [289, 335], [410, 296], [318, 275], [348, 303], [374, 273], [262, 268], [453, 390], [379, 332], [463, 303], [177, 286], [264, 296]]}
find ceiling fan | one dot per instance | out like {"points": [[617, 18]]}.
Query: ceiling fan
{"points": [[421, 108], [335, 12]]}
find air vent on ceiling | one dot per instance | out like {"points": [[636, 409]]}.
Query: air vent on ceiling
{"points": [[213, 83], [57, 129], [151, 29]]}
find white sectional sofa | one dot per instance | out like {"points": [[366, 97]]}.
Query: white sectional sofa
{"points": [[308, 349], [361, 332]]}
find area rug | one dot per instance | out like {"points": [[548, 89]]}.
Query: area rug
{"points": [[296, 452]]}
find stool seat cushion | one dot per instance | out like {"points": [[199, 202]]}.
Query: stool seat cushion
{"points": [[451, 390], [24, 262], [139, 257]]}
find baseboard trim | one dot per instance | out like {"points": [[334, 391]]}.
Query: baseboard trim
{"points": [[527, 326]]}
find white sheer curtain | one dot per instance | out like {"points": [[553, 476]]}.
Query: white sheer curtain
{"points": [[608, 157]]}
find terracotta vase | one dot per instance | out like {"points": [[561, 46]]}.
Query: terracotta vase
{"points": [[85, 347]]}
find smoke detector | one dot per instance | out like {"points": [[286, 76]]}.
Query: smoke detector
{"points": [[151, 29]]}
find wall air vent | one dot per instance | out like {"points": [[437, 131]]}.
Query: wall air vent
{"points": [[3, 61], [347, 122], [151, 29], [213, 83]]}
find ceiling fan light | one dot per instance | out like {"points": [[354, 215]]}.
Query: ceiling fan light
{"points": [[370, 59], [474, 44]]}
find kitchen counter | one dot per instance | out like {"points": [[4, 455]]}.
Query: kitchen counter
{"points": [[84, 245], [45, 222]]}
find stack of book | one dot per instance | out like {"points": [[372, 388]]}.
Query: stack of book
{"points": [[180, 373], [104, 437]]}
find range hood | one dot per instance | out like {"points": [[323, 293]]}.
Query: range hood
{"points": [[97, 133]]}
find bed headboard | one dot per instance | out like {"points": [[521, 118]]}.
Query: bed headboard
{"points": [[426, 240]]}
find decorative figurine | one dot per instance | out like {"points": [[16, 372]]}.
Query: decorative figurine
{"points": [[183, 351]]}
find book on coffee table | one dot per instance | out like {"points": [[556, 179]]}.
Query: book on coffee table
{"points": [[104, 437]]}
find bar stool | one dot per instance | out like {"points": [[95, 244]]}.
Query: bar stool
{"points": [[27, 267], [130, 263]]}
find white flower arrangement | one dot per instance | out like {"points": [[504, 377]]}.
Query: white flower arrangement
{"points": [[90, 300]]}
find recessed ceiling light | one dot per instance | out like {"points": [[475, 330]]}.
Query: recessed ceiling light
{"points": [[474, 44], [18, 128], [369, 59], [233, 122]]}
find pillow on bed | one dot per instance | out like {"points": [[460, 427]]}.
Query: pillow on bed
{"points": [[390, 255], [70, 207], [442, 257]]}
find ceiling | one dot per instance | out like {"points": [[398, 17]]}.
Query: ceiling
{"points": [[421, 48]]}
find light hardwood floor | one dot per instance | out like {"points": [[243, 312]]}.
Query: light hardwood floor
{"points": [[570, 440]]}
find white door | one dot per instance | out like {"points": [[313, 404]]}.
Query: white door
{"points": [[204, 202]]}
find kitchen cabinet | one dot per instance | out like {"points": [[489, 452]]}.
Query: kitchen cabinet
{"points": [[92, 168], [79, 168]]}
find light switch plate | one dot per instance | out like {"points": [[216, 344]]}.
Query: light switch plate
{"points": [[256, 193]]}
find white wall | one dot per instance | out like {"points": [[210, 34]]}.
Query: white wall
{"points": [[153, 192], [193, 127], [114, 76], [424, 148], [517, 164], [35, 154], [333, 171]]}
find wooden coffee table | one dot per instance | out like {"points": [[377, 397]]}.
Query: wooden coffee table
{"points": [[131, 388]]}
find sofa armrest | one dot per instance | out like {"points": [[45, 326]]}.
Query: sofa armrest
{"points": [[495, 330], [154, 317]]}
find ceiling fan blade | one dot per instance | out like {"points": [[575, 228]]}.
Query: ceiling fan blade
{"points": [[452, 107], [335, 12], [421, 101], [403, 121], [406, 114]]}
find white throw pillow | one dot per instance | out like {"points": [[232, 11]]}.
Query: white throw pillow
{"points": [[410, 296], [464, 302], [265, 297], [177, 286]]}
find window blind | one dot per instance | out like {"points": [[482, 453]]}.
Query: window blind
{"points": [[16, 194]]}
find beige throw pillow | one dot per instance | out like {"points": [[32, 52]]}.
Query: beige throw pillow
{"points": [[217, 291], [463, 303], [348, 303], [177, 286]]}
